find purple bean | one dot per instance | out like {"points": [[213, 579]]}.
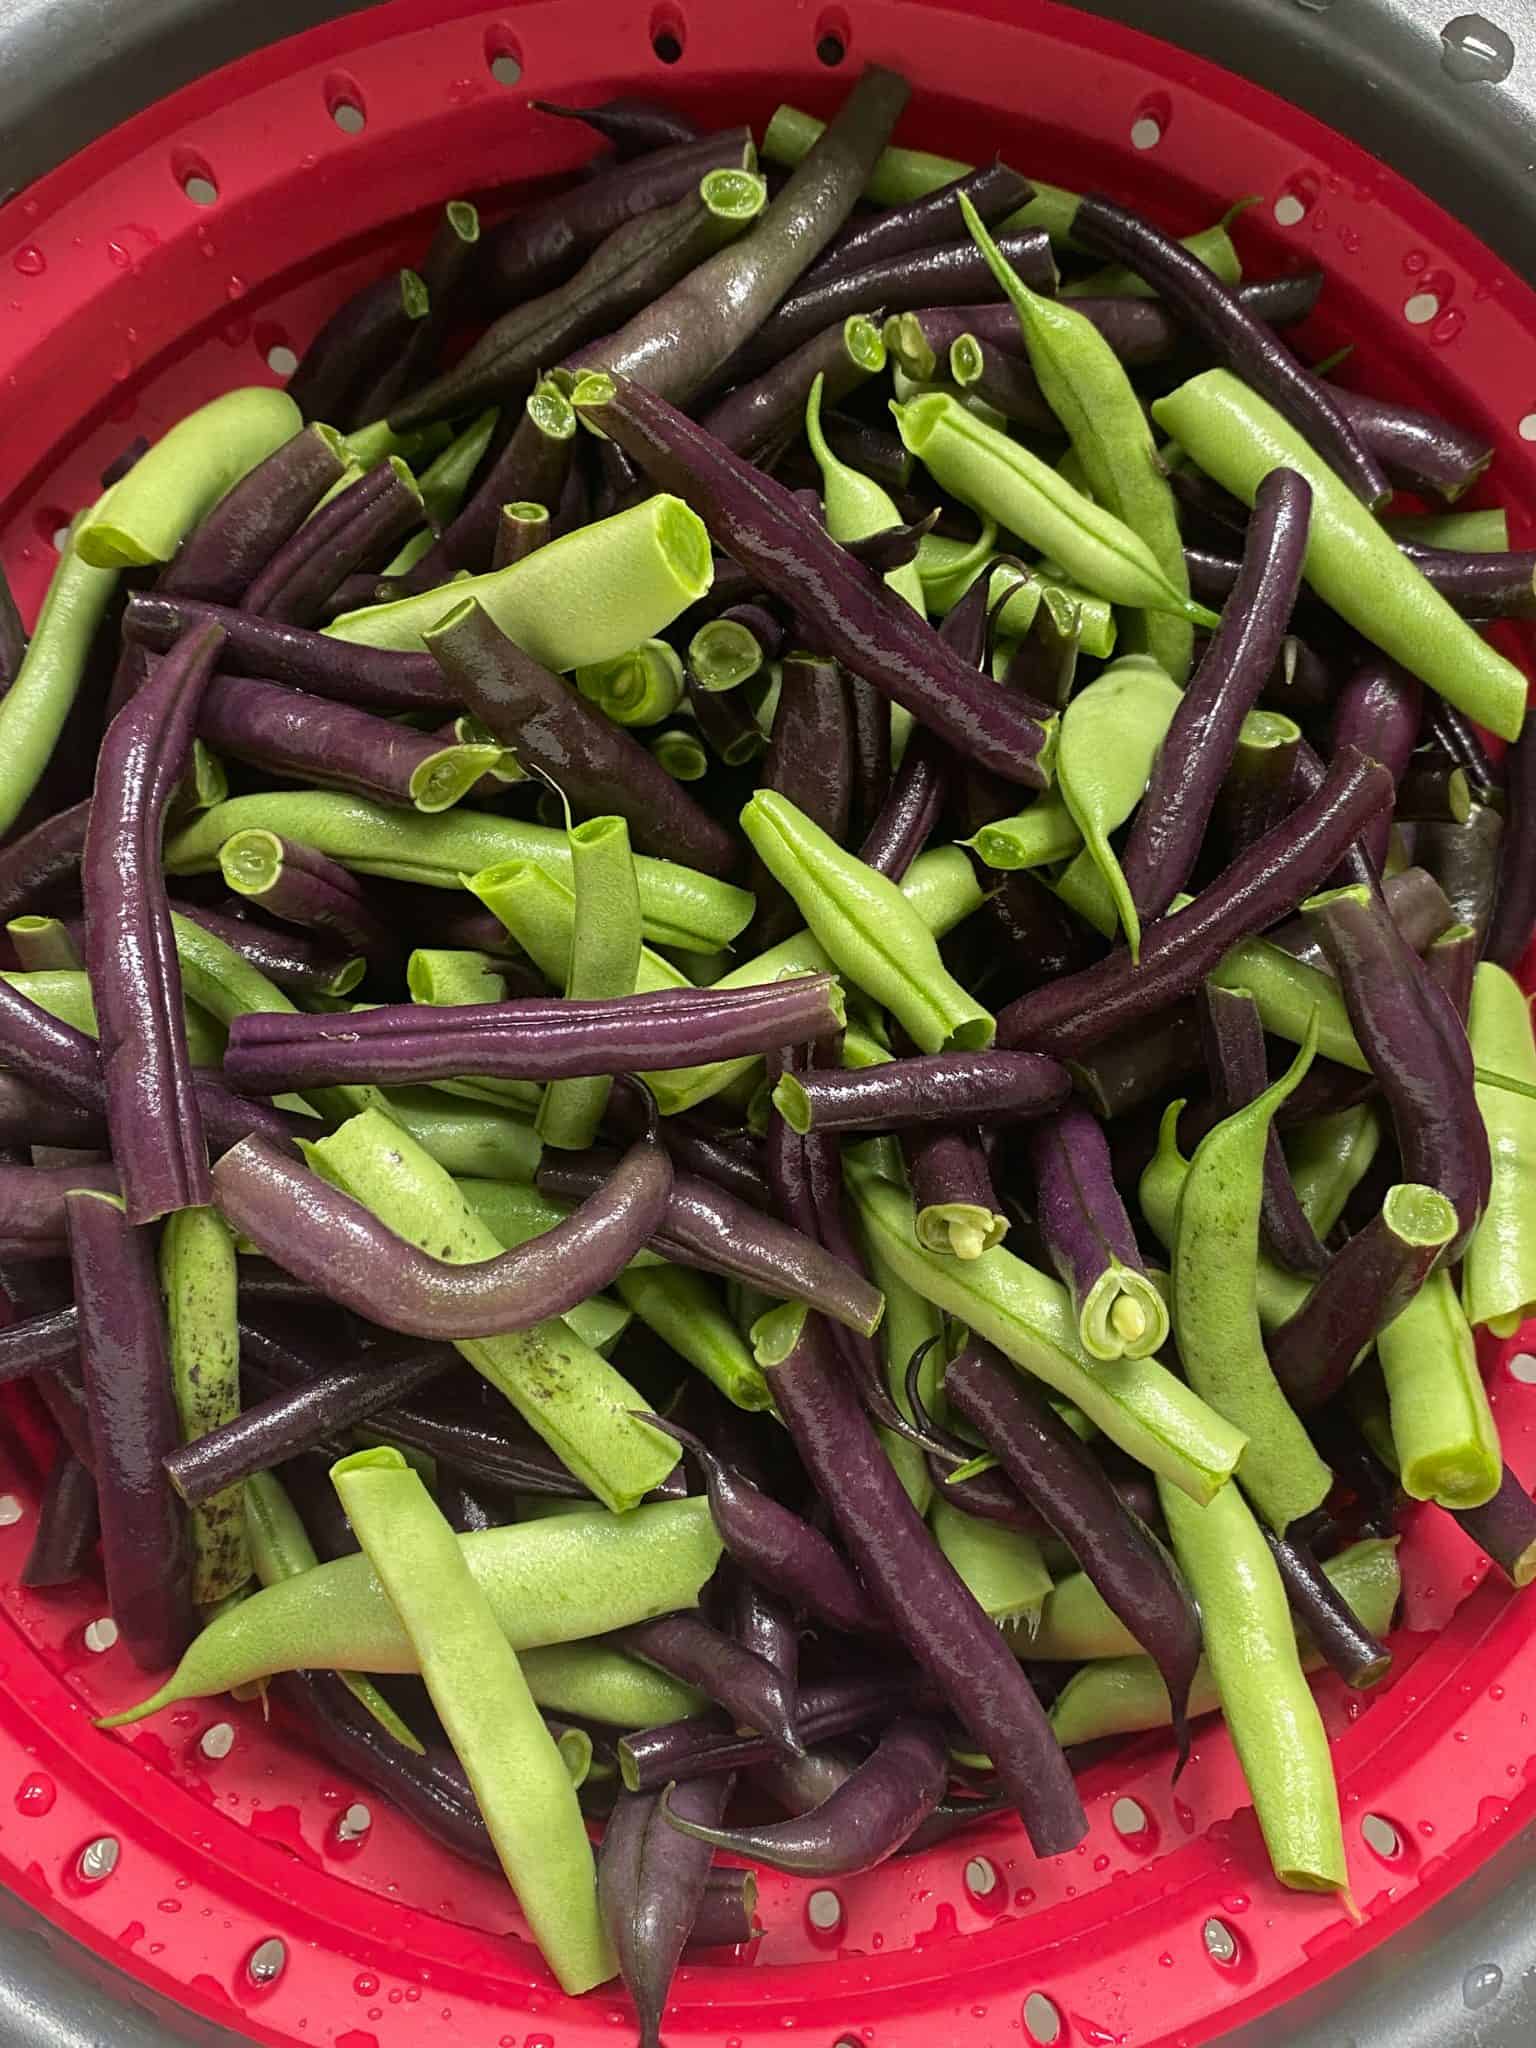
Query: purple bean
{"points": [[1268, 878], [1257, 355], [313, 1230], [633, 126], [1495, 585], [152, 1109], [133, 1427], [444, 271], [957, 1208], [1455, 735], [995, 191], [1418, 450], [745, 1685], [1332, 1624], [1078, 1209], [43, 864], [360, 337], [939, 1088], [32, 1207], [650, 1757], [40, 1344], [13, 635], [733, 1161], [871, 630], [1505, 1527], [310, 890], [1378, 711], [798, 1784], [650, 1884], [553, 730], [1234, 1052], [533, 467], [304, 963], [1451, 963], [1062, 1479], [1464, 859], [228, 550], [1433, 791], [341, 670], [1514, 912], [757, 414], [1171, 821], [866, 1820], [810, 759], [364, 524], [68, 1525]]}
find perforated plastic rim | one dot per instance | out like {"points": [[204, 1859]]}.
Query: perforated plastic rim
{"points": [[1078, 88]]}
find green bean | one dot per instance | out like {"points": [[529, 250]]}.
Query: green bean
{"points": [[519, 1780], [1085, 385], [1076, 1627], [679, 751], [586, 597], [604, 960], [681, 907], [279, 1548], [375, 443], [1251, 1647], [1138, 1403], [1043, 833], [447, 477], [942, 563], [1031, 588], [40, 699], [145, 517], [565, 1391], [1003, 480], [1214, 247], [911, 1324], [854, 505], [1443, 1430], [1215, 1306], [1109, 737], [870, 931], [197, 1278], [1485, 531], [1002, 1568], [44, 946], [65, 993], [600, 1683], [1328, 1157], [1123, 1694], [444, 976], [460, 1135], [556, 1581], [641, 686], [1498, 1278], [1352, 563], [1293, 997], [684, 1311]]}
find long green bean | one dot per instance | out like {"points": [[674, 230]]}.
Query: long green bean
{"points": [[197, 1278], [1443, 1430], [604, 961], [40, 699], [1499, 1271]]}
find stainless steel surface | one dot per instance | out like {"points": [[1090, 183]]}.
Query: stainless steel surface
{"points": [[1447, 96]]}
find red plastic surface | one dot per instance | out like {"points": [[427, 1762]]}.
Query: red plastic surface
{"points": [[123, 304]]}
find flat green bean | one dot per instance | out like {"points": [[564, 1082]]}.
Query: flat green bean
{"points": [[1215, 1306], [518, 1777], [1328, 1157], [854, 505], [680, 906], [197, 1278], [1443, 1430], [145, 517], [1498, 1275], [592, 594], [1002, 1568], [641, 686], [1352, 563], [40, 699], [1250, 1643], [601, 1683], [604, 961]]}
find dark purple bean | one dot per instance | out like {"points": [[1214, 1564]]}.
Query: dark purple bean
{"points": [[303, 963], [29, 1116], [957, 1207], [533, 467], [152, 1109], [937, 1088], [521, 529], [287, 1423], [360, 525], [1268, 879], [1420, 910], [119, 466], [133, 1427], [43, 864], [1234, 1054], [870, 720], [1417, 1049], [930, 1607], [310, 890], [1418, 450], [1243, 343], [1301, 680], [1455, 734], [1505, 1527], [1464, 860], [444, 271], [761, 1622], [339, 669], [710, 1229], [1002, 380], [62, 1393], [1378, 711], [650, 1757], [798, 1784], [32, 1208], [554, 731], [878, 453], [1329, 1620], [1061, 1478], [1078, 1209], [871, 630], [1171, 820], [1433, 791], [68, 1525], [773, 1544], [1024, 936], [944, 273], [950, 1817], [340, 1248], [727, 1915], [1370, 1279], [470, 1506], [546, 240], [1514, 914], [756, 415], [228, 550], [745, 1685], [995, 191], [810, 759], [535, 1038], [364, 333], [1140, 1063], [633, 126], [866, 1820], [1495, 585], [650, 1884], [733, 1161], [727, 723]]}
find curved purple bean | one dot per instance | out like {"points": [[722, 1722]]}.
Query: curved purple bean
{"points": [[810, 759], [228, 550], [650, 1884], [650, 1758], [43, 864], [68, 1524], [1418, 450], [745, 1685], [1267, 879], [867, 1819], [1234, 336], [937, 1088], [305, 963], [363, 525], [754, 416], [340, 1248], [633, 126], [364, 333], [1172, 818], [1234, 1051], [994, 190], [797, 1784], [1378, 711], [1060, 1477], [1348, 1647], [872, 631], [32, 1208], [1514, 910], [444, 272]]}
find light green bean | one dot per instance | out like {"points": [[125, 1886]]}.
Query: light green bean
{"points": [[641, 686], [40, 699], [604, 961], [1002, 1568], [854, 505], [197, 1278], [1443, 1430], [1498, 1275]]}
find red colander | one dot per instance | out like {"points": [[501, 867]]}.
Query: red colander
{"points": [[207, 1854]]}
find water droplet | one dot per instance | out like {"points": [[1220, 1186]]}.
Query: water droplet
{"points": [[1476, 51], [29, 260], [235, 288], [35, 1795], [365, 1985], [1481, 1984], [117, 255], [1165, 1961]]}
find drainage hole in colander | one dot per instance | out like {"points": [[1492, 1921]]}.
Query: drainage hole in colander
{"points": [[1133, 1824], [1381, 1836], [1527, 427], [1522, 1366], [1150, 122], [1421, 309], [503, 58], [195, 177], [1221, 1944], [282, 361], [667, 35], [344, 103], [1042, 2020], [832, 34], [824, 1911]]}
